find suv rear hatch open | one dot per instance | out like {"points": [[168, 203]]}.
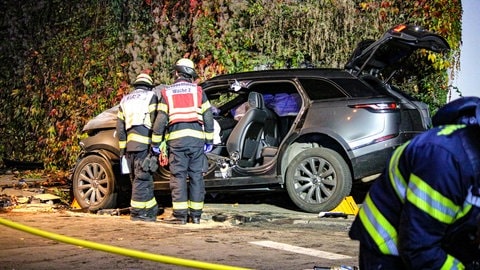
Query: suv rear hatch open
{"points": [[372, 57], [396, 44]]}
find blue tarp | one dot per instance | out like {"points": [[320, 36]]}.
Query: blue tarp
{"points": [[283, 104]]}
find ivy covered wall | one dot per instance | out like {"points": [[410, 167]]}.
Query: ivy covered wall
{"points": [[63, 62]]}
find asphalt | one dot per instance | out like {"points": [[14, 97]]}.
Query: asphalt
{"points": [[40, 193]]}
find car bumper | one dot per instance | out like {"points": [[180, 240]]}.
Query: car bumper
{"points": [[373, 159], [370, 164]]}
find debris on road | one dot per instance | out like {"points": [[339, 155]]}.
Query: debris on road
{"points": [[7, 201], [114, 212], [47, 198], [341, 267], [35, 192], [332, 214]]}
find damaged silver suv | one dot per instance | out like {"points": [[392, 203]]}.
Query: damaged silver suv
{"points": [[310, 132]]}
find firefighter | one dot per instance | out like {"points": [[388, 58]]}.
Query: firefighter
{"points": [[423, 211], [136, 115], [185, 112]]}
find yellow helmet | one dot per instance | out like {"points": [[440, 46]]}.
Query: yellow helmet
{"points": [[143, 79]]}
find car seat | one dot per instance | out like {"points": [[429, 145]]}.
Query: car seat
{"points": [[248, 136]]}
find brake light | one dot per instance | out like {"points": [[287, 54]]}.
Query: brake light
{"points": [[399, 28], [377, 107]]}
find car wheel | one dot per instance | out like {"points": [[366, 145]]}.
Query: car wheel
{"points": [[94, 184], [318, 179]]}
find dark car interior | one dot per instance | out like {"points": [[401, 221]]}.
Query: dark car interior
{"points": [[253, 137]]}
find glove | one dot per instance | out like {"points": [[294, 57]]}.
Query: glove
{"points": [[207, 148], [156, 150], [146, 164], [153, 163]]}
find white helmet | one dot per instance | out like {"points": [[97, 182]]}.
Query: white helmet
{"points": [[186, 67]]}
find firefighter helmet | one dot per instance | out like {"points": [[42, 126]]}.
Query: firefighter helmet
{"points": [[143, 79], [185, 67]]}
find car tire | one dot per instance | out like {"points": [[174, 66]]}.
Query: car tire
{"points": [[94, 184], [312, 191]]}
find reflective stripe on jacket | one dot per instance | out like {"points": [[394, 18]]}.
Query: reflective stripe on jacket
{"points": [[425, 189], [185, 112], [136, 115], [136, 108], [184, 101]]}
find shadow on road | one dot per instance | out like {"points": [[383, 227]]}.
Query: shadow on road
{"points": [[275, 198]]}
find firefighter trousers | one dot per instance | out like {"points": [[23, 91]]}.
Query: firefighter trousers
{"points": [[143, 204], [369, 259], [187, 197]]}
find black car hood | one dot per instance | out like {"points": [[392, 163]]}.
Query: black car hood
{"points": [[396, 44]]}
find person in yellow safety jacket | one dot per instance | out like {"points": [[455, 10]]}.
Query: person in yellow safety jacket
{"points": [[423, 212], [136, 115], [185, 112]]}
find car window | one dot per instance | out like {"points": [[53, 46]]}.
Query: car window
{"points": [[356, 88], [377, 84], [281, 97], [223, 100], [321, 89], [273, 87]]}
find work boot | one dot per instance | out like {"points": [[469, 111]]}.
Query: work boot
{"points": [[195, 220], [143, 218], [175, 220]]}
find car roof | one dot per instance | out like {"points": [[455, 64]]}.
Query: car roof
{"points": [[277, 74]]}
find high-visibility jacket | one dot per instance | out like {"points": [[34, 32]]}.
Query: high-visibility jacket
{"points": [[136, 115], [186, 113], [429, 188]]}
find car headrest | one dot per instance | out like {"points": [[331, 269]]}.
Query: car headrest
{"points": [[255, 100]]}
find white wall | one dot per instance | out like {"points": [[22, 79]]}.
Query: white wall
{"points": [[468, 78]]}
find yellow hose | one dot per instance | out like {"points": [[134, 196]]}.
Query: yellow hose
{"points": [[117, 250]]}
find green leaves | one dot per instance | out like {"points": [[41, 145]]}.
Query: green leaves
{"points": [[64, 63]]}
